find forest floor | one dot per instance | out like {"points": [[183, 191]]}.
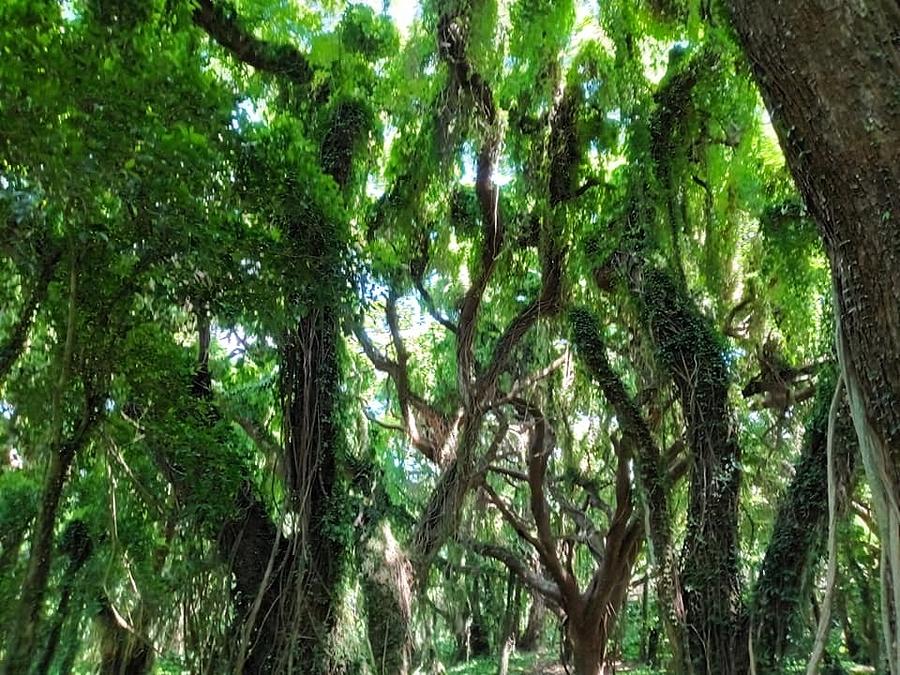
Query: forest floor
{"points": [[553, 667], [524, 664], [547, 668]]}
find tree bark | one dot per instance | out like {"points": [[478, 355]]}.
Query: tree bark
{"points": [[387, 586], [799, 533], [653, 480], [588, 644], [829, 73], [310, 371], [689, 348]]}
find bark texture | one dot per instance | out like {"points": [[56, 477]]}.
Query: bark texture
{"points": [[798, 537], [653, 478], [690, 350], [387, 585], [829, 72]]}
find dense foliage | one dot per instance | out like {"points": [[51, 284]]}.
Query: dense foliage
{"points": [[347, 338]]}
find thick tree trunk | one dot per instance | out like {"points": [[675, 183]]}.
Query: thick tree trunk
{"points": [[247, 540], [388, 591], [441, 515], [310, 378], [829, 73], [688, 347], [593, 621], [799, 533], [588, 645]]}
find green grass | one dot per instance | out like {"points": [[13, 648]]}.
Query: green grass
{"points": [[518, 663]]}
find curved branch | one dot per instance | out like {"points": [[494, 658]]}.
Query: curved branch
{"points": [[452, 46], [547, 304], [417, 267], [378, 359], [432, 309], [591, 535], [544, 587], [223, 25], [488, 198], [538, 456], [429, 439]]}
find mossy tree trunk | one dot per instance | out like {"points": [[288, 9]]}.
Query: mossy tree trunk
{"points": [[798, 536], [387, 586], [830, 83], [690, 350]]}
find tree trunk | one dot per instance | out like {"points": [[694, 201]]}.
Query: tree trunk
{"points": [[310, 371], [247, 540], [534, 628], [479, 635], [687, 346], [461, 636], [510, 623], [388, 591], [828, 72], [122, 651], [588, 649], [653, 483], [799, 533]]}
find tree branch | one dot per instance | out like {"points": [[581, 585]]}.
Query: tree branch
{"points": [[592, 535], [547, 304], [429, 444], [544, 587], [452, 45], [514, 521], [431, 308], [224, 26], [538, 456], [417, 268]]}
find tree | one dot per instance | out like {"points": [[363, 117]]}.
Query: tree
{"points": [[839, 131], [333, 332]]}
